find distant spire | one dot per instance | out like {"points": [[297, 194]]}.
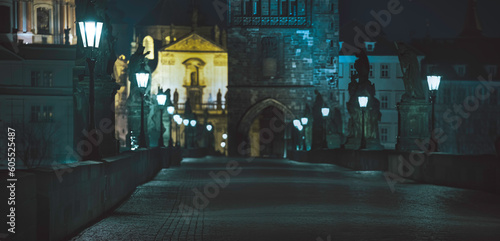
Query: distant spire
{"points": [[194, 17], [472, 25]]}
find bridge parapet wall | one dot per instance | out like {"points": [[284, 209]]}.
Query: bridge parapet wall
{"points": [[70, 196]]}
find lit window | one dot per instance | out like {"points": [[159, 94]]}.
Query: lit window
{"points": [[41, 78], [384, 101], [352, 69], [370, 46], [42, 113], [384, 70], [384, 134]]}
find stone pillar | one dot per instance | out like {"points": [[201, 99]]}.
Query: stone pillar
{"points": [[413, 124], [62, 19], [73, 20], [29, 15], [20, 16]]}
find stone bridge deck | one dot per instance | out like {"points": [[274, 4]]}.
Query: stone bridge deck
{"points": [[285, 200]]}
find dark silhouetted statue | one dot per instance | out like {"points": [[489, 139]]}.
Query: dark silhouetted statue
{"points": [[411, 75]]}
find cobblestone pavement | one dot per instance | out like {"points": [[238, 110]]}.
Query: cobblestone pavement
{"points": [[285, 200]]}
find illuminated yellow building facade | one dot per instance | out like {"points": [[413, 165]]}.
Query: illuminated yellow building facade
{"points": [[192, 62]]}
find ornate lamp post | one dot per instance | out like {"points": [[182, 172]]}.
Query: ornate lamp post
{"points": [[170, 111], [363, 102], [304, 121], [299, 127], [142, 77], [186, 124], [162, 99], [325, 111], [207, 136], [193, 125], [90, 32], [433, 82], [223, 143], [178, 122]]}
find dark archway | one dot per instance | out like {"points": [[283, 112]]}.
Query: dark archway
{"points": [[263, 129]]}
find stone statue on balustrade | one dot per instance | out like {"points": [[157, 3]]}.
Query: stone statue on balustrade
{"points": [[414, 87], [176, 99], [317, 122], [363, 87], [413, 109]]}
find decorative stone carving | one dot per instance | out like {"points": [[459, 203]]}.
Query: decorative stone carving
{"points": [[194, 42]]}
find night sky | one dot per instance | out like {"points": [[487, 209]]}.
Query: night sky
{"points": [[446, 17]]}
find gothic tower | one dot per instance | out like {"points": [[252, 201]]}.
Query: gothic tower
{"points": [[280, 52]]}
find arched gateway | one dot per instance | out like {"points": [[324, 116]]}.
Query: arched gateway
{"points": [[263, 129]]}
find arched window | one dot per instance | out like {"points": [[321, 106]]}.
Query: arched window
{"points": [[270, 57], [149, 45]]}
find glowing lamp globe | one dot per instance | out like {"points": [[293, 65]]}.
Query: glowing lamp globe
{"points": [[363, 101], [433, 82], [142, 77], [162, 99], [325, 111], [304, 120], [170, 110], [296, 123], [90, 28]]}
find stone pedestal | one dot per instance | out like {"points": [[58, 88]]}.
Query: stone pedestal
{"points": [[413, 124]]}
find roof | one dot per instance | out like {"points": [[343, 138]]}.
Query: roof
{"points": [[349, 33], [475, 53], [194, 42]]}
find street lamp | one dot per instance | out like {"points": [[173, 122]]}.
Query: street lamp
{"points": [[185, 122], [363, 102], [170, 111], [142, 77], [298, 124], [178, 122], [223, 145], [162, 99], [90, 32], [433, 82], [304, 121], [209, 127], [325, 111]]}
